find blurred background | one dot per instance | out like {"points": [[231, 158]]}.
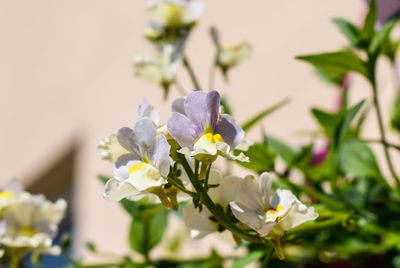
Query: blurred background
{"points": [[66, 82]]}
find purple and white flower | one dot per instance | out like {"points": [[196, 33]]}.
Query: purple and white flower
{"points": [[144, 165], [202, 130]]}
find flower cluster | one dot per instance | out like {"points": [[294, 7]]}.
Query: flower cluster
{"points": [[147, 156], [28, 223]]}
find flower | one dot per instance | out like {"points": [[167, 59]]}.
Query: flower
{"points": [[202, 130], [202, 223], [269, 215], [145, 165], [31, 223], [232, 55], [159, 67], [8, 193], [172, 19]]}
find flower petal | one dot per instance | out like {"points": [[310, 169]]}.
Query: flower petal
{"points": [[121, 167], [127, 139], [213, 103], [147, 110], [199, 222], [178, 105], [196, 109], [230, 131], [115, 190], [145, 177], [161, 156], [297, 215], [246, 214], [145, 136], [182, 130]]}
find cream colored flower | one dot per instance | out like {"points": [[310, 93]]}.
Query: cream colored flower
{"points": [[159, 67], [230, 56], [256, 207], [31, 223]]}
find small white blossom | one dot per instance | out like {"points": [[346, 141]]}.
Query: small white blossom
{"points": [[269, 214], [230, 56], [31, 223]]}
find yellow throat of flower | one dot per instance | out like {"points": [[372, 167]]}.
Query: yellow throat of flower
{"points": [[27, 231], [271, 214], [6, 194]]}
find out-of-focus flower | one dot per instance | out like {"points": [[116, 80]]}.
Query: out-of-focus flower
{"points": [[202, 223], [320, 152], [8, 194], [232, 55], [145, 165], [387, 9], [159, 67], [201, 128], [269, 215], [172, 20], [31, 223]]}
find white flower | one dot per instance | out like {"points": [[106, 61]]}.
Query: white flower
{"points": [[31, 223], [202, 223], [174, 13], [8, 193], [229, 55], [269, 214], [159, 67]]}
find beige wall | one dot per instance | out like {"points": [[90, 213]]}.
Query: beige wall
{"points": [[66, 76]]}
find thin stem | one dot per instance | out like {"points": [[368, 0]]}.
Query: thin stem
{"points": [[191, 73], [372, 66], [206, 200], [394, 146]]}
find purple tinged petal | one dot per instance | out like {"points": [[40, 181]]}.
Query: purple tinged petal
{"points": [[230, 131], [213, 103], [145, 136], [182, 130], [178, 105], [125, 158], [142, 107], [147, 110], [196, 109], [126, 138], [161, 155], [121, 172]]}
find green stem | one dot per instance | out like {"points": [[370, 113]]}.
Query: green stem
{"points": [[181, 187], [206, 200], [391, 145], [191, 73], [372, 67], [314, 226]]}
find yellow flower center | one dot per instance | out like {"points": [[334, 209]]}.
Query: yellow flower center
{"points": [[136, 167], [173, 15], [27, 231], [6, 194], [275, 210]]}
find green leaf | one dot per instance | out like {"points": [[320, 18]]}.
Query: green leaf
{"points": [[146, 232], [252, 257], [344, 124], [328, 121], [336, 63], [336, 79], [368, 30], [252, 121], [349, 30], [287, 153], [381, 36], [358, 159], [225, 103], [260, 156]]}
